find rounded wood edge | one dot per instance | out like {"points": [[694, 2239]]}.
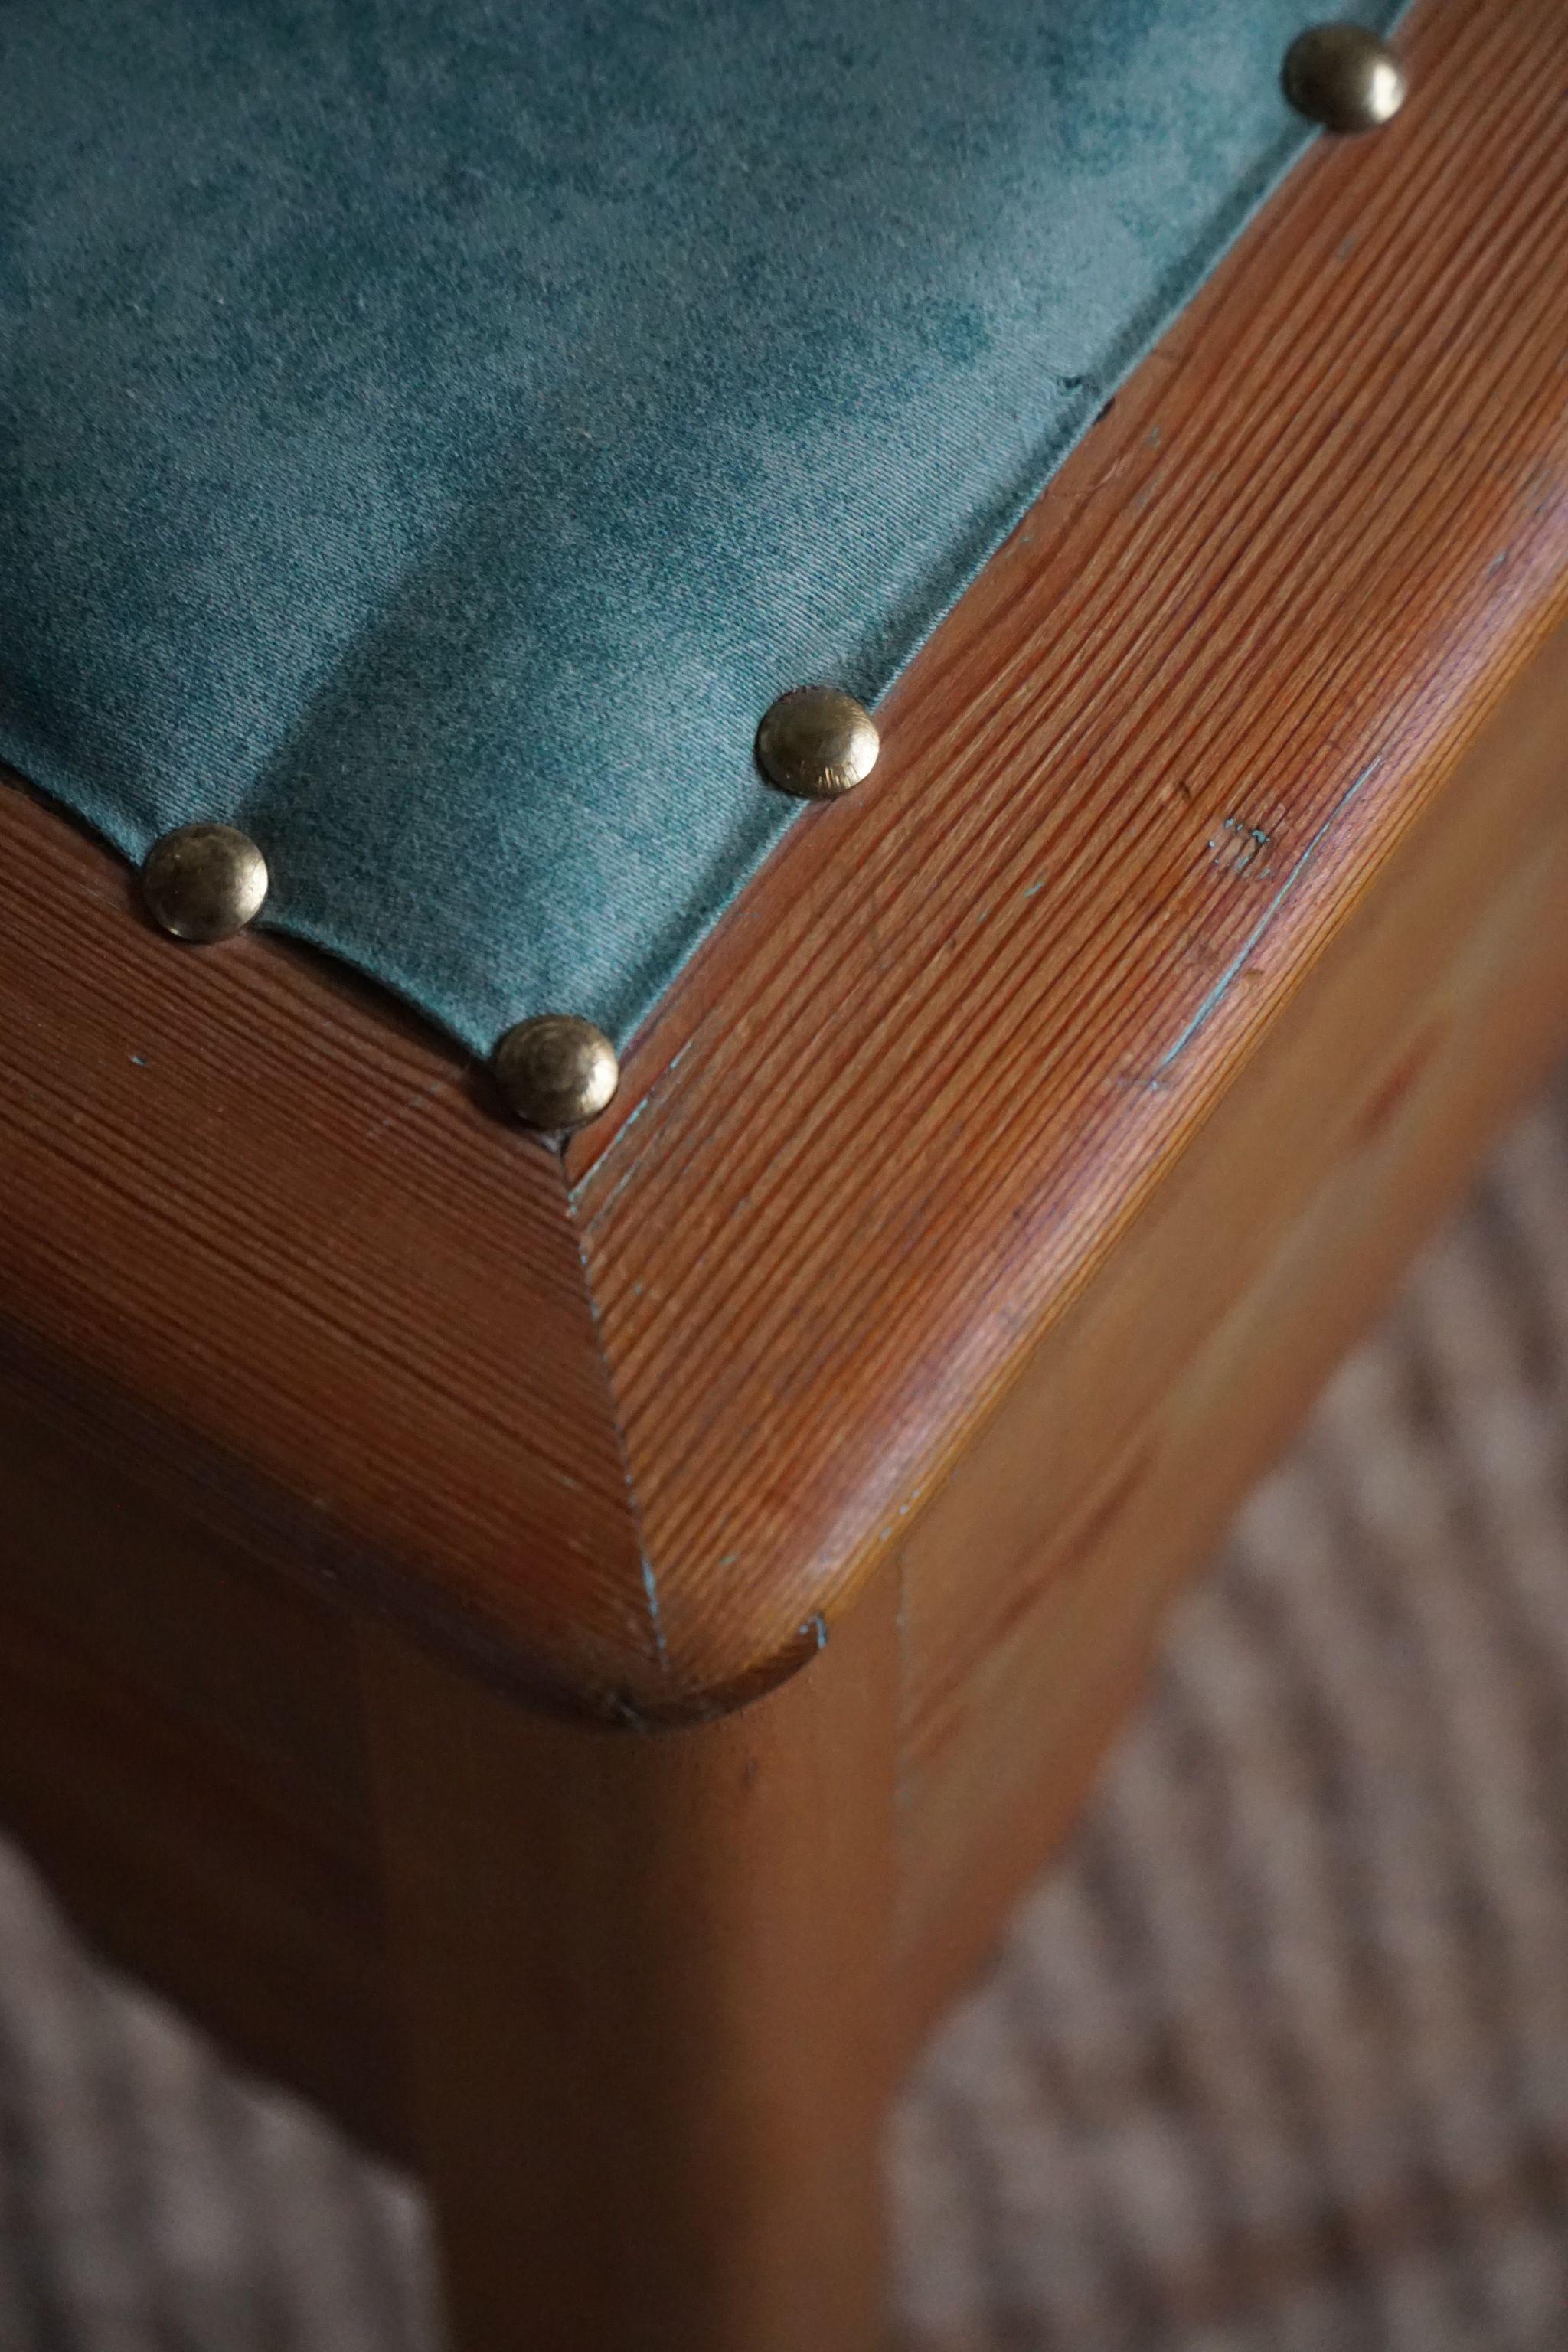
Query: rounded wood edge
{"points": [[584, 1638], [1299, 562]]}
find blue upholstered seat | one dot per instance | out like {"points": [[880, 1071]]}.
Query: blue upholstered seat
{"points": [[433, 430]]}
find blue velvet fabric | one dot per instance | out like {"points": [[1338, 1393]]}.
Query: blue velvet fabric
{"points": [[431, 430]]}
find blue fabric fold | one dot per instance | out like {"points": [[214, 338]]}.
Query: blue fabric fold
{"points": [[430, 435]]}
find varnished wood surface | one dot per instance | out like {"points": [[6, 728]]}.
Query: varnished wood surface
{"points": [[645, 1999], [633, 1446], [180, 1750], [189, 1867], [888, 1126], [180, 1734], [1034, 1584], [267, 1259], [977, 1211]]}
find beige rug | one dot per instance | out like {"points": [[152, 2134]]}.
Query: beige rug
{"points": [[1276, 2062]]}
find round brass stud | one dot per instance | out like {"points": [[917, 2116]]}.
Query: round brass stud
{"points": [[816, 743], [556, 1071], [1344, 78], [204, 882]]}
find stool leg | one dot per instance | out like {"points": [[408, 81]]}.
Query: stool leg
{"points": [[645, 1995]]}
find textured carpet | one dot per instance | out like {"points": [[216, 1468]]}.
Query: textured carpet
{"points": [[1277, 2060]]}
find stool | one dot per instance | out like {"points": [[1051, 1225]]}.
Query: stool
{"points": [[563, 1647]]}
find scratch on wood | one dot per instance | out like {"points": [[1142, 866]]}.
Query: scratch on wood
{"points": [[1245, 846], [1249, 945], [655, 1614], [439, 1084], [653, 1094]]}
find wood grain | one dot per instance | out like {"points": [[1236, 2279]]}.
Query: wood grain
{"points": [[1034, 1582], [979, 1208], [179, 1729], [646, 2000], [186, 1865], [180, 1750], [179, 1736], [267, 1259], [968, 1021], [631, 1446]]}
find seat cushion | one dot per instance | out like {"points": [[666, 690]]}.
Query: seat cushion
{"points": [[432, 431]]}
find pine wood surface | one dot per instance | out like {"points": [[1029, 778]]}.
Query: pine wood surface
{"points": [[883, 1131], [1035, 1584], [190, 1868], [631, 1433], [181, 1752], [269, 1261], [977, 1211], [181, 1743], [645, 1997]]}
